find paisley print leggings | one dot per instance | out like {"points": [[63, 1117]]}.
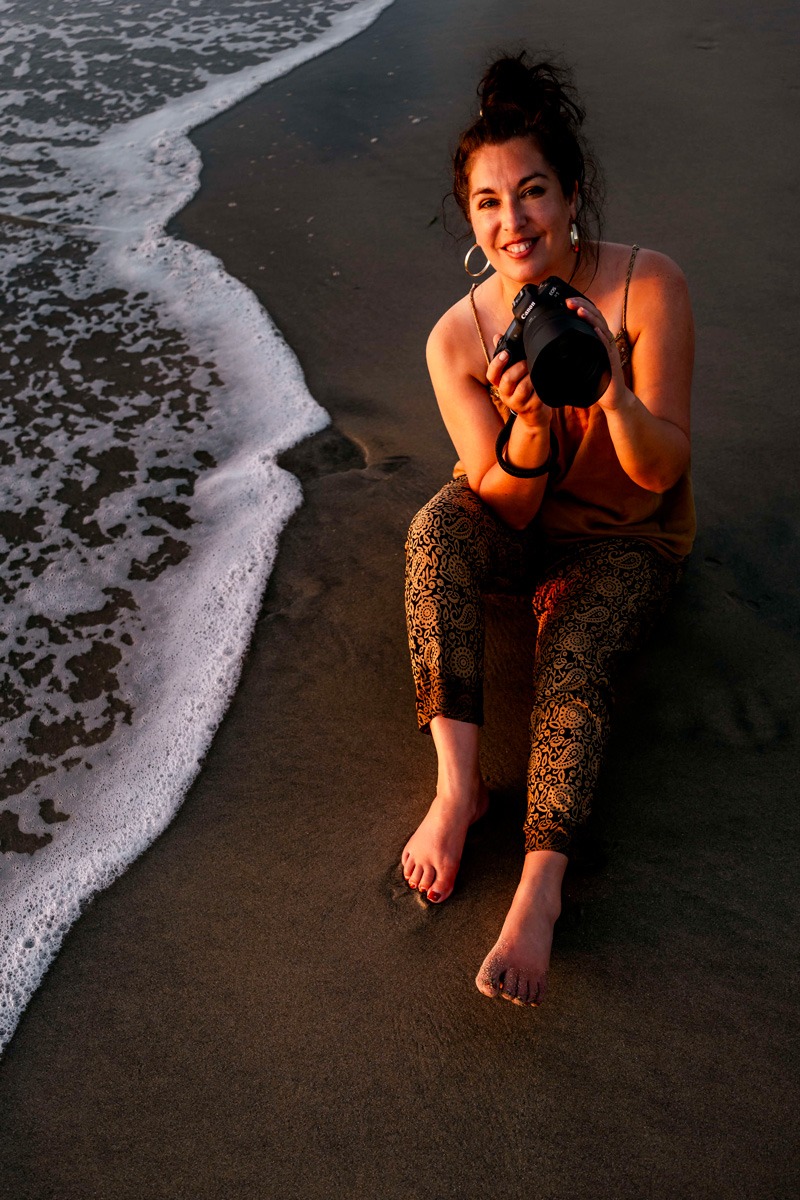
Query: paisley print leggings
{"points": [[594, 604]]}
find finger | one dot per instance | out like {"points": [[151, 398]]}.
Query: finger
{"points": [[517, 398], [496, 366], [523, 397], [578, 302], [586, 310], [499, 370], [516, 376], [499, 360], [595, 318], [597, 323]]}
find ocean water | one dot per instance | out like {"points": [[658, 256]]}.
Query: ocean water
{"points": [[140, 503]]}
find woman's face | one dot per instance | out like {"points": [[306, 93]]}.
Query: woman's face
{"points": [[519, 213]]}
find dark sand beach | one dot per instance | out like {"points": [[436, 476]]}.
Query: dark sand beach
{"points": [[259, 1007]]}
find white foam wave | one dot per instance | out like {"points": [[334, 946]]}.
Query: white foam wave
{"points": [[184, 666]]}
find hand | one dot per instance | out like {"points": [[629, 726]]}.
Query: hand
{"points": [[615, 393], [513, 386]]}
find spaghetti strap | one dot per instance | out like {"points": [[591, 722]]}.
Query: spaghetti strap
{"points": [[477, 322], [491, 389], [634, 252]]}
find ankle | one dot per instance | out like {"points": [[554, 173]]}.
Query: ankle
{"points": [[458, 804], [458, 757], [463, 787], [542, 877]]}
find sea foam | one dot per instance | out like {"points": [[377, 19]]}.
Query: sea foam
{"points": [[146, 396]]}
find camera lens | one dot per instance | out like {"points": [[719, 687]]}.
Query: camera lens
{"points": [[569, 363]]}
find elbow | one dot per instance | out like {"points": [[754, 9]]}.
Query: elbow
{"points": [[670, 479], [515, 515], [517, 523], [661, 477], [661, 482], [658, 483]]}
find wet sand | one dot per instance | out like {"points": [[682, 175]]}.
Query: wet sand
{"points": [[259, 1008]]}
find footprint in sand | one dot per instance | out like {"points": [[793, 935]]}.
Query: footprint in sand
{"points": [[404, 901]]}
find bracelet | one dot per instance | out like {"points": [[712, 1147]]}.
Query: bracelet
{"points": [[547, 468]]}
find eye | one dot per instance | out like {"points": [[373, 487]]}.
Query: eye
{"points": [[488, 202], [534, 190]]}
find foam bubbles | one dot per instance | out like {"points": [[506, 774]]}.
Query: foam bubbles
{"points": [[140, 503]]}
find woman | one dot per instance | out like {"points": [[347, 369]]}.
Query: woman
{"points": [[588, 508]]}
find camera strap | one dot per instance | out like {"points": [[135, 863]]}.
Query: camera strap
{"points": [[547, 468]]}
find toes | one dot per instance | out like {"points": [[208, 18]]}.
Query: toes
{"points": [[537, 992], [423, 876], [510, 983], [487, 981], [415, 875], [428, 876], [523, 991], [442, 880], [445, 882], [440, 890]]}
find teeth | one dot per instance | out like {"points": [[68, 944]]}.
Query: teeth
{"points": [[519, 247]]}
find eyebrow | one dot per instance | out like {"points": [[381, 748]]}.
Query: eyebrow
{"points": [[522, 182]]}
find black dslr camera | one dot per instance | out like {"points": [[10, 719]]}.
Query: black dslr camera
{"points": [[569, 362]]}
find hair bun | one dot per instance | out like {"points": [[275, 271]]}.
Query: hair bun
{"points": [[540, 91]]}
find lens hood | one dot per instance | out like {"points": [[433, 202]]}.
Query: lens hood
{"points": [[569, 362]]}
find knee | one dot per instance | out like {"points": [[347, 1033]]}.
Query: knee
{"points": [[452, 523], [573, 663], [575, 705], [569, 720]]}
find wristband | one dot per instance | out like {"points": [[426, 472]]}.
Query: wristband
{"points": [[547, 468]]}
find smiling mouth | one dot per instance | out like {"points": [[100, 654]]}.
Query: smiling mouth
{"points": [[520, 249]]}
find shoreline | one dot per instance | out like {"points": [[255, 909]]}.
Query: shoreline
{"points": [[259, 1007], [168, 680]]}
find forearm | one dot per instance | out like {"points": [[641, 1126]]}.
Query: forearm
{"points": [[517, 501], [652, 451]]}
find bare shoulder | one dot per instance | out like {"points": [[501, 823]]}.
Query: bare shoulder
{"points": [[454, 340], [448, 332], [658, 288], [656, 274]]}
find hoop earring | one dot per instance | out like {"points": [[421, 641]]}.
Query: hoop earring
{"points": [[574, 238], [474, 274]]}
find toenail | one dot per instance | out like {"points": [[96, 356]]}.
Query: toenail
{"points": [[433, 896]]}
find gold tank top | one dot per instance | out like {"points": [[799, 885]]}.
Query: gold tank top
{"points": [[589, 495]]}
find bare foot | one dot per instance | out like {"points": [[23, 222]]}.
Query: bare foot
{"points": [[516, 967], [433, 854]]}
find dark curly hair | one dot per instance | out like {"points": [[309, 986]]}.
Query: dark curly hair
{"points": [[538, 100]]}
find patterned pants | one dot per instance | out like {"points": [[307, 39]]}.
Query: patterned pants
{"points": [[594, 604]]}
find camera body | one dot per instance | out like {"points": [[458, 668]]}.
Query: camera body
{"points": [[569, 363]]}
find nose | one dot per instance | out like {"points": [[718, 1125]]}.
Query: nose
{"points": [[513, 215]]}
